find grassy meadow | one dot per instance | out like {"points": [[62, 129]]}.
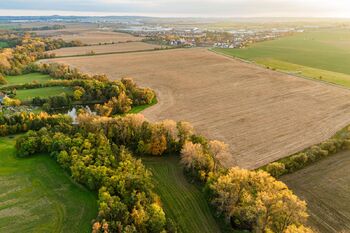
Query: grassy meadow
{"points": [[28, 78], [182, 201], [36, 195], [319, 54], [28, 94], [3, 44]]}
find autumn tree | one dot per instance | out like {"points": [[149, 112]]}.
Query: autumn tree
{"points": [[220, 152], [298, 229], [196, 160], [3, 81], [255, 200], [11, 102]]}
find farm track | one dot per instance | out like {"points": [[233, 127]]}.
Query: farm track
{"points": [[263, 115]]}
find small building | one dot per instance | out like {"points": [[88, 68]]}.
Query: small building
{"points": [[2, 97]]}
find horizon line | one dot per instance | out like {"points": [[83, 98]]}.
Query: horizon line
{"points": [[51, 13]]}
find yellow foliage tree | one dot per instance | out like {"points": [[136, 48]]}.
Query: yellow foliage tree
{"points": [[257, 199]]}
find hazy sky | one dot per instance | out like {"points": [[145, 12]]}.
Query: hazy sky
{"points": [[227, 8]]}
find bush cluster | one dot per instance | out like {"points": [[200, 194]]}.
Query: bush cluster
{"points": [[338, 142]]}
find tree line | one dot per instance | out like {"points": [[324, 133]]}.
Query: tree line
{"points": [[117, 97], [98, 154], [21, 122], [28, 49], [339, 142]]}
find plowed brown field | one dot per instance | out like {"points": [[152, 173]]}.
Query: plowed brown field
{"points": [[110, 48], [263, 115], [325, 187]]}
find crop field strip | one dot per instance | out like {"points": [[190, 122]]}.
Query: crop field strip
{"points": [[319, 54], [183, 202], [90, 36], [263, 115], [37, 196], [325, 187], [103, 49]]}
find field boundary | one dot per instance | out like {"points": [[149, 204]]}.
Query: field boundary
{"points": [[110, 53], [278, 70]]}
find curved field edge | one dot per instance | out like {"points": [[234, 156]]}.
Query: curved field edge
{"points": [[37, 196], [140, 108], [182, 201]]}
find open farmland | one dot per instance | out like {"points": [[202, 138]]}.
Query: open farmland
{"points": [[319, 54], [110, 48], [37, 196], [89, 35], [325, 187], [263, 115]]}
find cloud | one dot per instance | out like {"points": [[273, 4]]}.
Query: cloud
{"points": [[232, 8]]}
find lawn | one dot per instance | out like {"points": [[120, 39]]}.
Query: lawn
{"points": [[319, 54], [182, 201], [28, 94], [28, 78], [36, 195]]}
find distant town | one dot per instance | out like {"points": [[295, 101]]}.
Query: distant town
{"points": [[195, 37]]}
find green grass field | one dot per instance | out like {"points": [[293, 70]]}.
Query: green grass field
{"points": [[182, 201], [28, 94], [3, 44], [28, 78], [37, 196], [321, 54]]}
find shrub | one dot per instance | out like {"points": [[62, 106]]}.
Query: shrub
{"points": [[296, 162], [276, 169], [11, 102]]}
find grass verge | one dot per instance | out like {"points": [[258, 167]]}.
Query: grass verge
{"points": [[138, 109]]}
